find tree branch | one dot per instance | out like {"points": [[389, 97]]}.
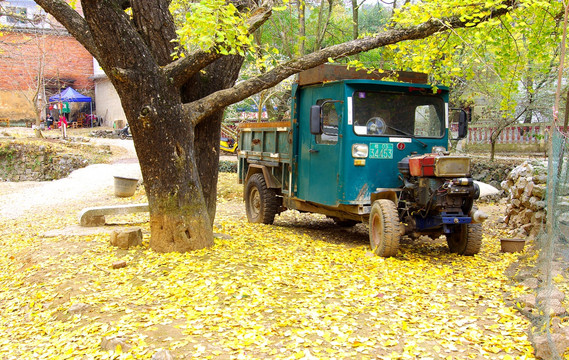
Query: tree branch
{"points": [[72, 21], [200, 109], [184, 68]]}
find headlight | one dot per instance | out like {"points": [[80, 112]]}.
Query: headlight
{"points": [[359, 150], [438, 149]]}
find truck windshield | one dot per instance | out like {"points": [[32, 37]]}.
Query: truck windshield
{"points": [[392, 114]]}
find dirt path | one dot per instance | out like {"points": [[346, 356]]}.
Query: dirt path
{"points": [[90, 185], [87, 185]]}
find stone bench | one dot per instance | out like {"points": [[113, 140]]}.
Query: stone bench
{"points": [[95, 216]]}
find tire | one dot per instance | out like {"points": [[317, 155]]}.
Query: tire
{"points": [[466, 241], [122, 135], [345, 222], [384, 229], [260, 202]]}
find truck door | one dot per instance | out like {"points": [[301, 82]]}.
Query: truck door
{"points": [[319, 160]]}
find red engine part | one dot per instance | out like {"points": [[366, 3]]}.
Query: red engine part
{"points": [[423, 165]]}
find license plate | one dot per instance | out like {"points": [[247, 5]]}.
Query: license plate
{"points": [[380, 151]]}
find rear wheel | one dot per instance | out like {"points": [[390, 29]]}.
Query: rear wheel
{"points": [[384, 229], [467, 240], [260, 202]]}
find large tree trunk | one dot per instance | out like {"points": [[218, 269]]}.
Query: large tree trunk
{"points": [[181, 187], [179, 217], [220, 75], [164, 141], [164, 138]]}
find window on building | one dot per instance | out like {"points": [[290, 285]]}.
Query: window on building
{"points": [[16, 15]]}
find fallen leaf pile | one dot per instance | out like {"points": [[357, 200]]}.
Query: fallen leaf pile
{"points": [[287, 291]]}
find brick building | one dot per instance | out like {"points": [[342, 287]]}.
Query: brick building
{"points": [[36, 53]]}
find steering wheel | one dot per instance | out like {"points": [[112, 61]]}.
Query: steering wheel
{"points": [[375, 126]]}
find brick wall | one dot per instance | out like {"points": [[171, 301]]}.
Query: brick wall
{"points": [[21, 54]]}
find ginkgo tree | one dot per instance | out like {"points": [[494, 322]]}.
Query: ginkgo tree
{"points": [[510, 60], [174, 84]]}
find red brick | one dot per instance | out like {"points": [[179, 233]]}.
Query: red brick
{"points": [[64, 58]]}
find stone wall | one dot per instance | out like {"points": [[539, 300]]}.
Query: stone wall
{"points": [[492, 173], [28, 162]]}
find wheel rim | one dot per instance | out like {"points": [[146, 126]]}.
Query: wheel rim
{"points": [[255, 198], [375, 228]]}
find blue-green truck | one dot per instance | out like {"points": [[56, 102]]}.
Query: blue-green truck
{"points": [[359, 149]]}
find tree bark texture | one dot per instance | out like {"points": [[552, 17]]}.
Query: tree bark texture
{"points": [[175, 107], [301, 26], [355, 19], [566, 114], [322, 25], [164, 139], [219, 75]]}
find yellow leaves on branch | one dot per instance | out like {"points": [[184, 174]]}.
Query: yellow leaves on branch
{"points": [[211, 24], [506, 48]]}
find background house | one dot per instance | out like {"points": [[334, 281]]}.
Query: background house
{"points": [[38, 55], [107, 101]]}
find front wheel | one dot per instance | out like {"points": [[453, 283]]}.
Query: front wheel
{"points": [[384, 229], [467, 240], [122, 135], [260, 201]]}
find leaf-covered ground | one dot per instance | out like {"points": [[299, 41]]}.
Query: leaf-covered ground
{"points": [[303, 288]]}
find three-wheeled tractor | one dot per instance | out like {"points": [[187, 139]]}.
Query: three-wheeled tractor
{"points": [[360, 149]]}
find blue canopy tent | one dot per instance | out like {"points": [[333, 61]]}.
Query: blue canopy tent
{"points": [[71, 95]]}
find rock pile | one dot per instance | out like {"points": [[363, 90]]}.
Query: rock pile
{"points": [[525, 187], [104, 134]]}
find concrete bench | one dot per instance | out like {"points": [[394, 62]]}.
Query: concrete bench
{"points": [[95, 216]]}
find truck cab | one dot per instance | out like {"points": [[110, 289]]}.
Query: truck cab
{"points": [[360, 149]]}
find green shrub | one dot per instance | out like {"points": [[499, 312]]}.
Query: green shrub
{"points": [[227, 166]]}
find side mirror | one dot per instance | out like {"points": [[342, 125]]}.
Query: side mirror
{"points": [[316, 119], [462, 124]]}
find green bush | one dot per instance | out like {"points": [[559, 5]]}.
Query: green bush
{"points": [[227, 166]]}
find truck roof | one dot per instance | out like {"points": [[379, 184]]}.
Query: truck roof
{"points": [[336, 72]]}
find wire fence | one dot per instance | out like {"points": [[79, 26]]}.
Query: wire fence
{"points": [[550, 324]]}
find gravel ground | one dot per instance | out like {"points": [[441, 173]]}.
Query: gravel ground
{"points": [[83, 185], [91, 185]]}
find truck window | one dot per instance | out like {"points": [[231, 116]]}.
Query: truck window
{"points": [[427, 122], [329, 123], [392, 114]]}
